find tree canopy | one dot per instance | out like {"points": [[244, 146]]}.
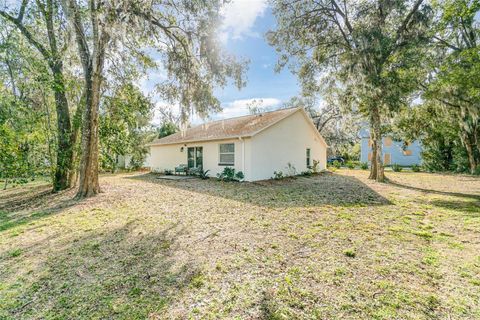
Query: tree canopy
{"points": [[366, 50], [110, 44]]}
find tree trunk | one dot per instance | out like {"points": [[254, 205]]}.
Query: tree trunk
{"points": [[469, 147], [88, 184], [376, 168], [92, 68], [476, 144], [468, 132], [65, 148], [373, 160], [77, 124], [64, 126]]}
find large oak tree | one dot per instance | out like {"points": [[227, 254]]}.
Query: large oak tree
{"points": [[183, 33], [40, 22], [453, 65], [366, 48]]}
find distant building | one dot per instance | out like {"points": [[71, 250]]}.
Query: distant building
{"points": [[123, 161], [393, 152]]}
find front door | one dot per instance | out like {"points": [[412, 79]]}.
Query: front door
{"points": [[195, 157]]}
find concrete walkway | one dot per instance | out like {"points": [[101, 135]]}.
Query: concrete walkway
{"points": [[179, 177]]}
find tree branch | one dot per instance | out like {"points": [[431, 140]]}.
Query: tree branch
{"points": [[165, 29], [18, 23], [47, 13], [440, 99], [21, 12], [451, 46], [343, 15], [72, 12], [406, 21]]}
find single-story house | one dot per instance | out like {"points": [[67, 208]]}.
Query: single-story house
{"points": [[257, 145], [393, 152]]}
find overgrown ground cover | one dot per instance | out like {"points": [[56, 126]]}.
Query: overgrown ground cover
{"points": [[333, 246]]}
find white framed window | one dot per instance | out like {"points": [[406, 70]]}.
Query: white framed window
{"points": [[226, 154]]}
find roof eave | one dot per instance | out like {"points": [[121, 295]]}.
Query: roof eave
{"points": [[198, 140]]}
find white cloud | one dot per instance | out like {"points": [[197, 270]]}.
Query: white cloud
{"points": [[238, 108], [239, 17]]}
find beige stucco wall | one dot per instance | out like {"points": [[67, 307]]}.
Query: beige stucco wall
{"points": [[169, 156], [283, 143]]}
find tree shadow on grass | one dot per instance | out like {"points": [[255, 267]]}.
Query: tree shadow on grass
{"points": [[466, 208], [318, 190], [123, 274], [14, 194], [38, 202], [439, 192]]}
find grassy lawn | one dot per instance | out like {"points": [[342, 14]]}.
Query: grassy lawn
{"points": [[333, 246]]}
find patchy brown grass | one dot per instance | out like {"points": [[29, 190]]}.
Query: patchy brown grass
{"points": [[333, 246]]}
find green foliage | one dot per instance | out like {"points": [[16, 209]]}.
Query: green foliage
{"points": [[42, 34], [203, 174], [33, 66], [22, 144], [307, 173], [439, 135], [28, 141], [194, 60], [229, 174], [291, 171], [277, 175], [14, 253], [354, 152], [124, 127], [350, 152], [364, 166], [477, 171], [12, 160], [415, 168], [166, 129], [239, 176], [350, 253], [396, 167], [336, 164], [448, 122], [350, 165], [367, 59]]}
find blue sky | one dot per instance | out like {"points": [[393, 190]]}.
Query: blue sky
{"points": [[245, 23], [262, 81]]}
